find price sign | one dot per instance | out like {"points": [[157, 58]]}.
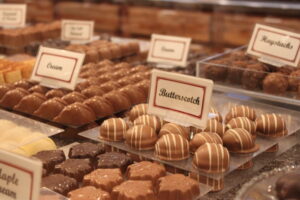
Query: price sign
{"points": [[12, 15], [57, 68], [20, 177], [169, 50], [275, 46], [77, 30], [180, 98]]}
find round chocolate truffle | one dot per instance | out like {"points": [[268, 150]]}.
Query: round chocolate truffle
{"points": [[149, 120], [113, 129], [137, 110], [239, 140], [171, 128], [216, 70], [271, 125], [55, 93], [172, 147], [76, 114], [212, 158], [275, 83], [288, 186], [200, 139], [253, 76], [242, 122], [240, 111], [30, 103], [235, 72], [294, 80], [141, 137], [23, 84], [50, 108]]}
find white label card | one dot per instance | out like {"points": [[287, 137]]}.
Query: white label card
{"points": [[12, 15], [57, 68], [77, 30], [180, 98], [169, 50], [275, 46], [20, 177]]}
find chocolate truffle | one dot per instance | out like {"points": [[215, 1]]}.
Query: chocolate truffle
{"points": [[109, 86], [141, 137], [134, 94], [271, 125], [145, 170], [50, 158], [172, 147], [144, 85], [39, 89], [217, 70], [88, 193], [106, 179], [242, 122], [114, 160], [50, 108], [138, 110], [82, 85], [288, 186], [86, 150], [76, 114], [239, 140], [75, 168], [253, 76], [215, 114], [149, 120], [241, 111], [91, 91], [73, 97], [13, 97], [171, 128], [133, 190], [294, 80], [215, 127], [118, 101], [100, 106], [23, 84], [200, 139], [113, 129], [59, 183], [275, 83], [55, 93], [5, 88], [177, 186], [235, 72], [212, 158], [30, 103]]}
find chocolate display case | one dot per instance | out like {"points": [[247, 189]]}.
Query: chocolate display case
{"points": [[222, 102], [236, 72]]}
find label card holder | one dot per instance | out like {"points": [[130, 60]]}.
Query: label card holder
{"points": [[169, 50], [180, 98], [20, 177], [77, 30], [13, 15], [57, 68], [275, 46]]}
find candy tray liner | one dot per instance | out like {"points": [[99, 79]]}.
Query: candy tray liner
{"points": [[222, 103], [30, 123]]}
